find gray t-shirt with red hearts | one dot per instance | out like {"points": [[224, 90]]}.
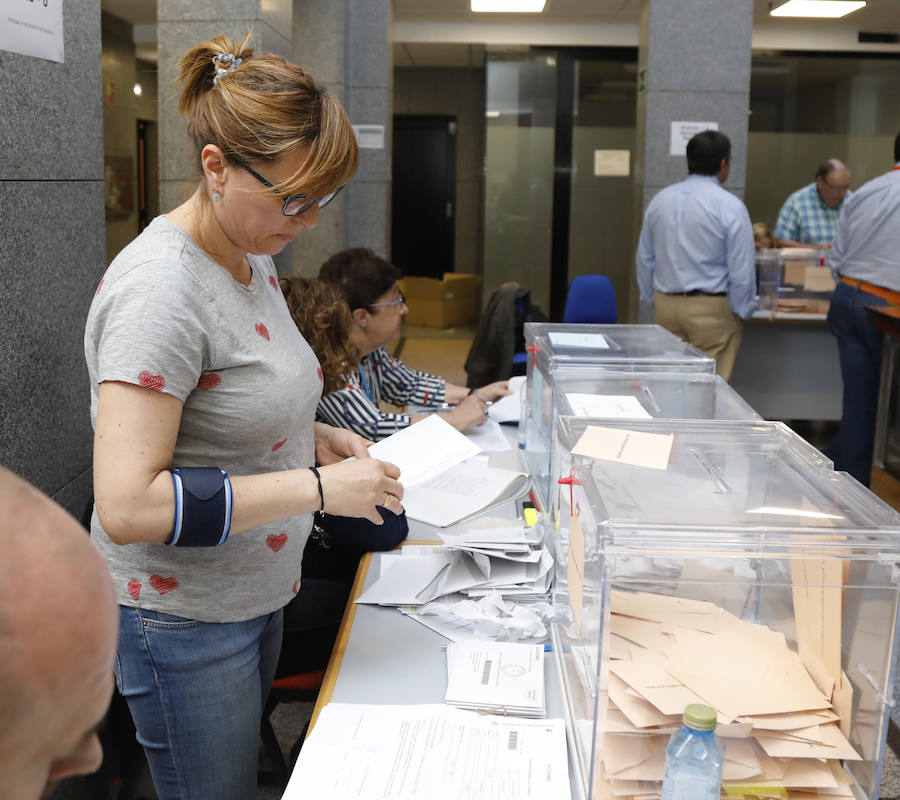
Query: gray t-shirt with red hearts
{"points": [[169, 318]]}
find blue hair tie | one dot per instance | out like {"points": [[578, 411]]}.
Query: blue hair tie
{"points": [[226, 59]]}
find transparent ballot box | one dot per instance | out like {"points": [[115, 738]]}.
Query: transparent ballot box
{"points": [[582, 391], [600, 348], [724, 563], [793, 280]]}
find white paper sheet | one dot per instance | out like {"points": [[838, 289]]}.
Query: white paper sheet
{"points": [[596, 341], [609, 406], [489, 436], [424, 450], [509, 408], [456, 493], [429, 752]]}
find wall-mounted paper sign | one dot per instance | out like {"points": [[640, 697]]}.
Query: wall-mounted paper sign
{"points": [[615, 163], [683, 132], [33, 28], [369, 137]]}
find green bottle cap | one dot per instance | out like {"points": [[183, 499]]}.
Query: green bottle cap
{"points": [[700, 717]]}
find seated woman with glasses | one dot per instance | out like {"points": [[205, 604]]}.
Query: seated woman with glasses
{"points": [[332, 553], [377, 306]]}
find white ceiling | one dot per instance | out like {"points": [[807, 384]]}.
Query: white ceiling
{"points": [[448, 33]]}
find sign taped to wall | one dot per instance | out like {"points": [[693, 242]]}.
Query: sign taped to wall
{"points": [[32, 28]]}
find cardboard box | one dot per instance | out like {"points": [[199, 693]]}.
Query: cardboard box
{"points": [[445, 303]]}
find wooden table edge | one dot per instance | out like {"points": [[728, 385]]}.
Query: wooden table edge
{"points": [[340, 643]]}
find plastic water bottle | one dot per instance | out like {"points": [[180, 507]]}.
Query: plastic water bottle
{"points": [[694, 757]]}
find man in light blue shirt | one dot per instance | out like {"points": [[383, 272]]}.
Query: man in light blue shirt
{"points": [[696, 257], [865, 260], [810, 215]]}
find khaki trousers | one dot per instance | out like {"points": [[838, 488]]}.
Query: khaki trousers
{"points": [[706, 322]]}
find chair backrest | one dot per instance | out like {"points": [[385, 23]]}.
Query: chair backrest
{"points": [[591, 298]]}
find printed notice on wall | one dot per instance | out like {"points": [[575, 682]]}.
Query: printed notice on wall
{"points": [[612, 163], [369, 137], [683, 132], [32, 28]]}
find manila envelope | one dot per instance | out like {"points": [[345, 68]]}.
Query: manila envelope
{"points": [[622, 446], [643, 632], [789, 722], [638, 711], [808, 773], [832, 746], [634, 758], [741, 760], [680, 612], [655, 685]]}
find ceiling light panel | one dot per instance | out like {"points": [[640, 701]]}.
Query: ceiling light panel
{"points": [[829, 9], [509, 6]]}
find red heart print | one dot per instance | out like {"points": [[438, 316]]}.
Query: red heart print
{"points": [[209, 380], [276, 542], [296, 587], [273, 282], [99, 287], [134, 589], [321, 379], [277, 445], [151, 381], [262, 330], [163, 585]]}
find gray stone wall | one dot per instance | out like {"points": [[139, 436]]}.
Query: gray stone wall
{"points": [[52, 255]]}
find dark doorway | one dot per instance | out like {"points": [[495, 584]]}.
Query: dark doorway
{"points": [[423, 195], [147, 172]]}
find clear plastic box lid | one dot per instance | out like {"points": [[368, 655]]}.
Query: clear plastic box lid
{"points": [[717, 475], [732, 545], [583, 391], [551, 343]]}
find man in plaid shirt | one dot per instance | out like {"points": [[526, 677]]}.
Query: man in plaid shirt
{"points": [[810, 215]]}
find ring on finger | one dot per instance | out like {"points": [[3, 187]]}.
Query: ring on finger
{"points": [[388, 499]]}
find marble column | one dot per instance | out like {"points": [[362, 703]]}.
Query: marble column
{"points": [[52, 255], [693, 66], [346, 45]]}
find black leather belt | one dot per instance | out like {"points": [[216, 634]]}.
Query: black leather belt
{"points": [[697, 293]]}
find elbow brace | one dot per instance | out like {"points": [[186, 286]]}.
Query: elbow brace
{"points": [[203, 504]]}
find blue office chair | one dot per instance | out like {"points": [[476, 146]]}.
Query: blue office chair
{"points": [[591, 298]]}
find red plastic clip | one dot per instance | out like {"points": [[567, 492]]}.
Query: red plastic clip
{"points": [[571, 482], [533, 349]]}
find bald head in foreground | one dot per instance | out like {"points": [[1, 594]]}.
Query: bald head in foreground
{"points": [[58, 629]]}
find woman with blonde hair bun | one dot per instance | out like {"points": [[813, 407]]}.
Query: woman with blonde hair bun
{"points": [[203, 401]]}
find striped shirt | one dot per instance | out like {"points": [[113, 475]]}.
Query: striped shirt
{"points": [[806, 219], [379, 377]]}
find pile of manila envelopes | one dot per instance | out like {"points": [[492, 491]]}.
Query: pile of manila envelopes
{"points": [[782, 735]]}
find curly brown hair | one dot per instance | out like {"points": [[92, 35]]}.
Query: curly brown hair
{"points": [[323, 318]]}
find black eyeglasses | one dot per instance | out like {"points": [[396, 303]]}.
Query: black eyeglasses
{"points": [[294, 204], [399, 300]]}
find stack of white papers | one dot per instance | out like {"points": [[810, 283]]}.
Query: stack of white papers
{"points": [[459, 492], [500, 677], [512, 568], [429, 752]]}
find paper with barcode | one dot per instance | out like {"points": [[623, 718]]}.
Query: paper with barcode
{"points": [[429, 752], [506, 676]]}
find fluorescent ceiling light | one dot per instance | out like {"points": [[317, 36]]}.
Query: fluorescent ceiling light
{"points": [[817, 8], [515, 6]]}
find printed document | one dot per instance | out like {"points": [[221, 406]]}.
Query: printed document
{"points": [[610, 406], [456, 493], [424, 450], [429, 752], [592, 341], [509, 408]]}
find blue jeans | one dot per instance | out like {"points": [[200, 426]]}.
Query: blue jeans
{"points": [[196, 691], [859, 347]]}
